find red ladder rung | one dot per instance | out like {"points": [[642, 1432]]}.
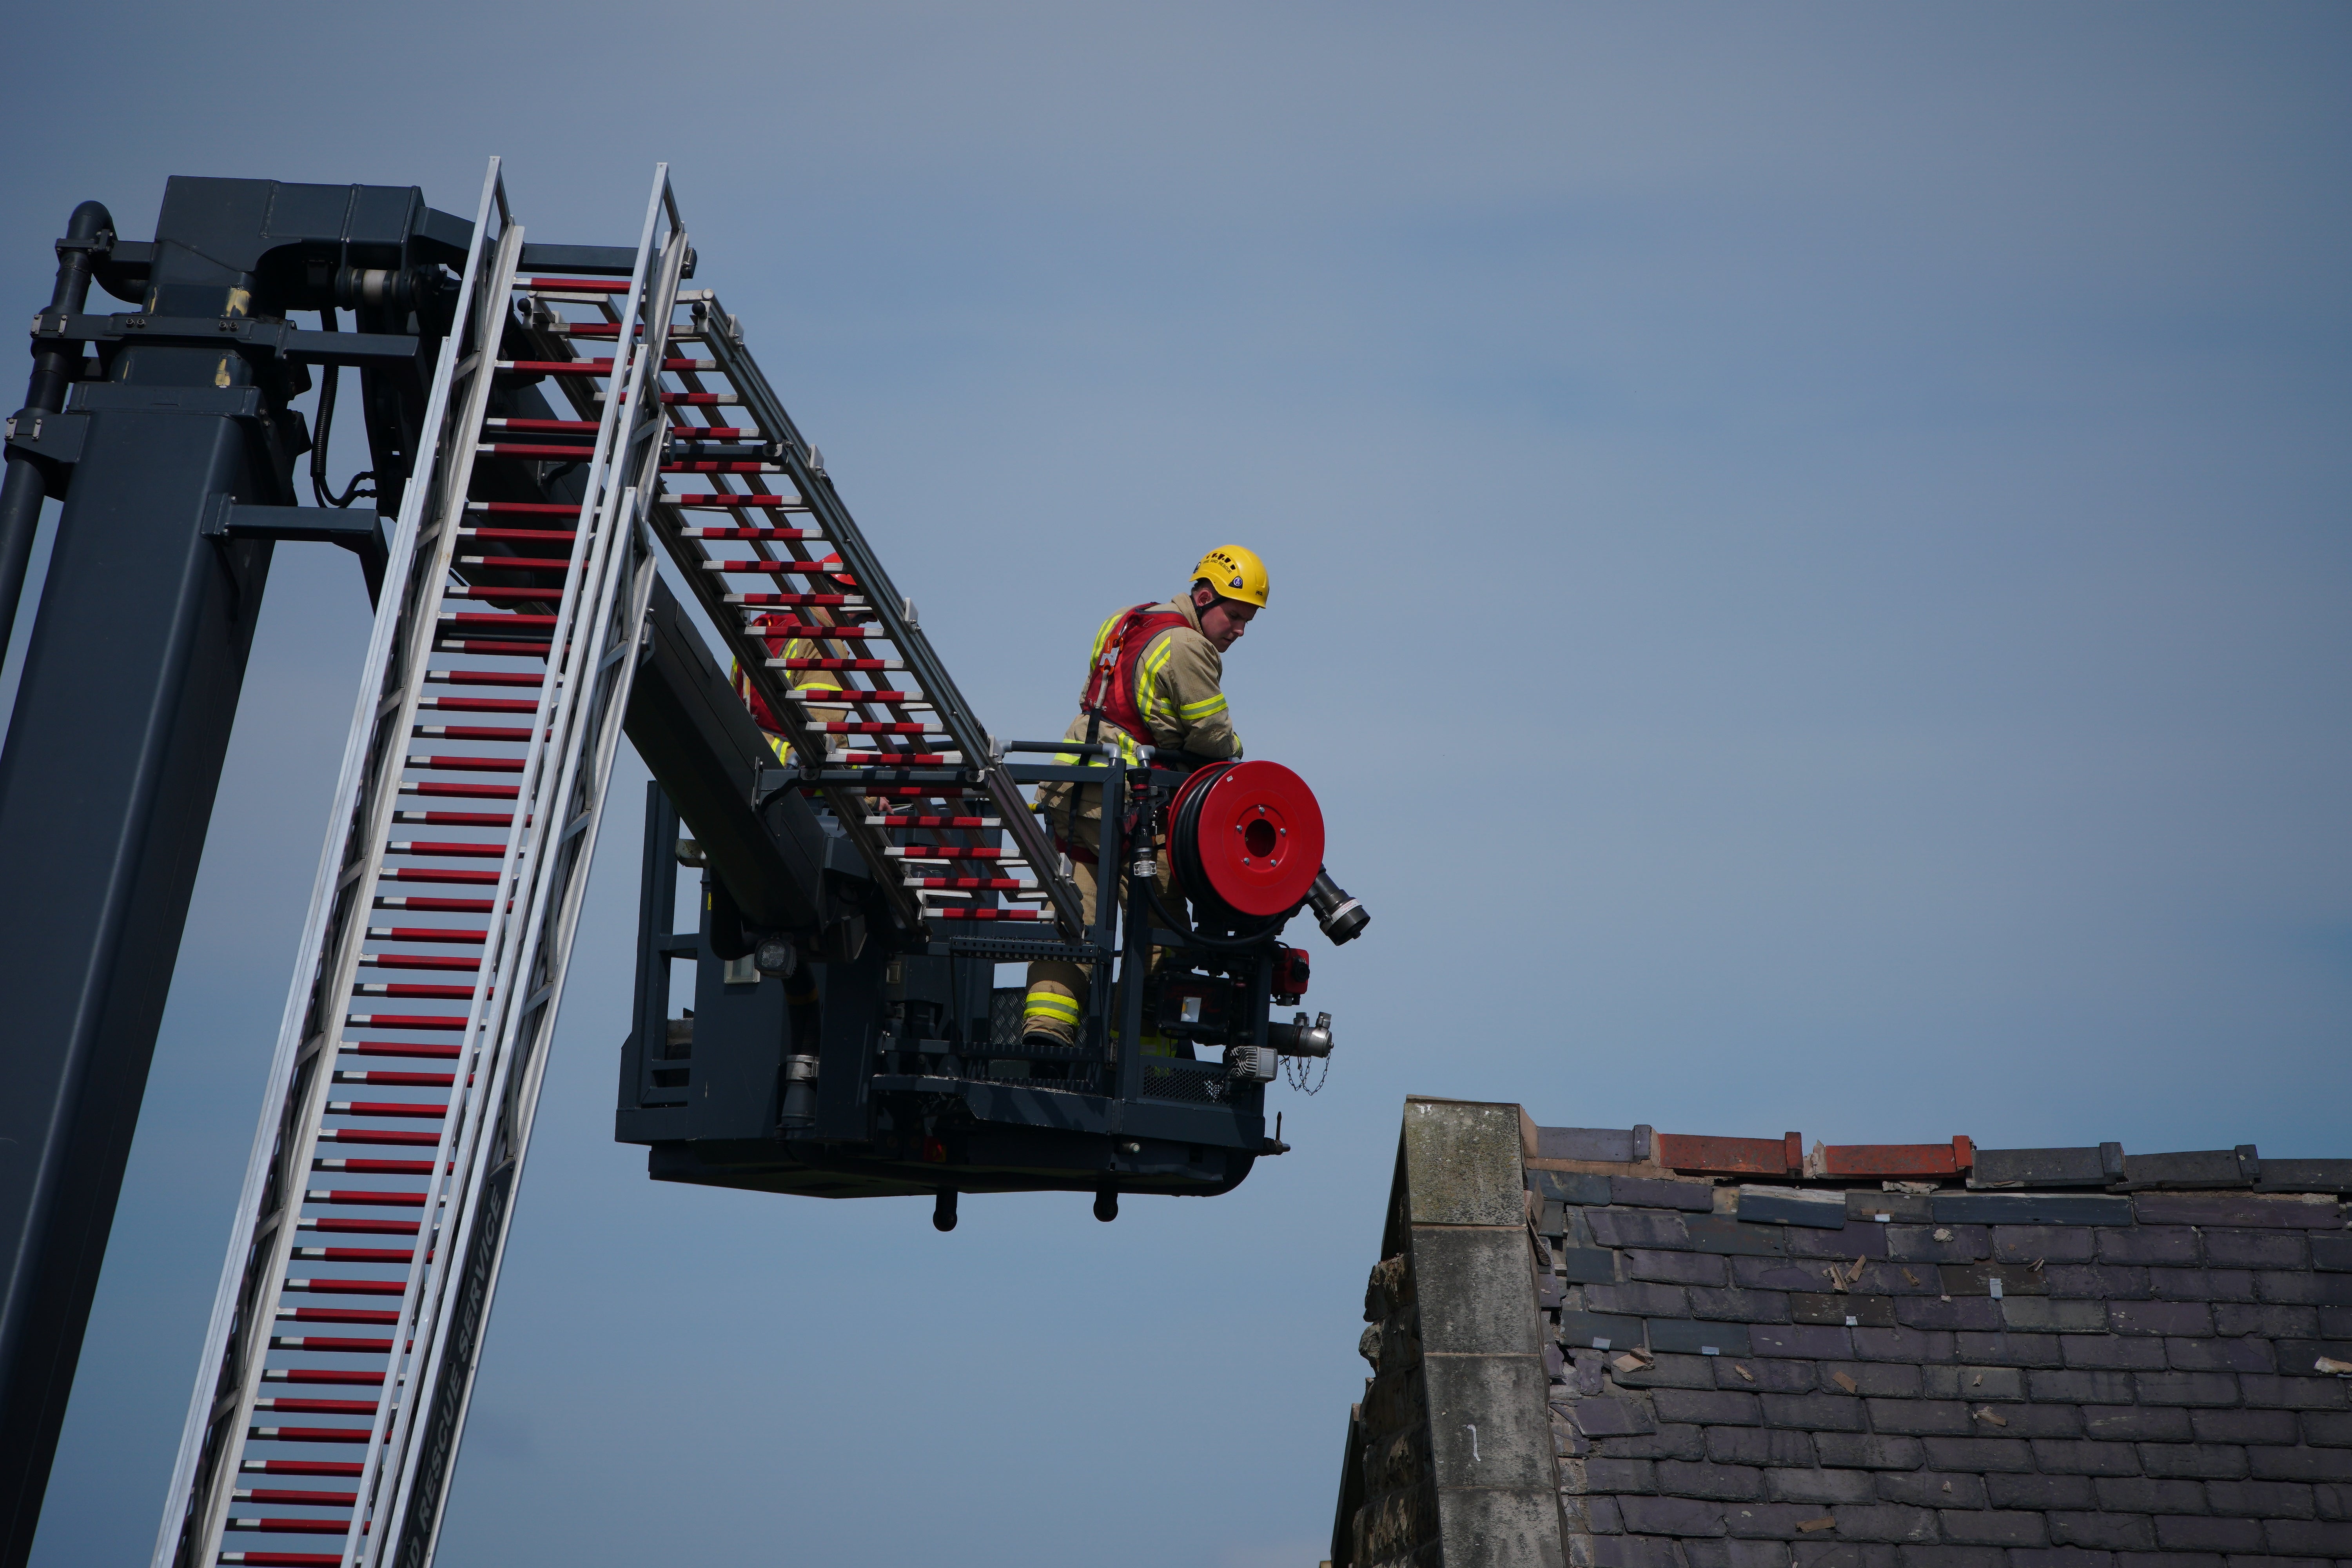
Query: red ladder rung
{"points": [[717, 502], [525, 509], [454, 848], [474, 765], [521, 535], [514, 563], [341, 1225], [544, 426], [532, 449], [427, 933]]}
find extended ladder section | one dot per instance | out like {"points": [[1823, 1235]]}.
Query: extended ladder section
{"points": [[838, 658], [343, 1341], [343, 1345]]}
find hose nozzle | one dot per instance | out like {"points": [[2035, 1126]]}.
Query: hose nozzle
{"points": [[1342, 918]]}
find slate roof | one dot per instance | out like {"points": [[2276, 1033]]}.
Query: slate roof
{"points": [[1758, 1355]]}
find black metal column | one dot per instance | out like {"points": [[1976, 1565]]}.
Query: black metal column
{"points": [[91, 229], [106, 788]]}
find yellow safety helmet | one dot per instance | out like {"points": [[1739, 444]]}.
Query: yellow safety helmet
{"points": [[1235, 573]]}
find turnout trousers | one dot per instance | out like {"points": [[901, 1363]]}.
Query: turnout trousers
{"points": [[1058, 988]]}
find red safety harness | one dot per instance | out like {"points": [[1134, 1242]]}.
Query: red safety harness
{"points": [[1109, 691], [1110, 695]]}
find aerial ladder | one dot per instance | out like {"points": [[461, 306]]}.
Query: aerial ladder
{"points": [[589, 419]]}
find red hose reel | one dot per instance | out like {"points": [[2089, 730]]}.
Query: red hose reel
{"points": [[1246, 838]]}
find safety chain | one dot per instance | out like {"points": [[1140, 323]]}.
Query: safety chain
{"points": [[1298, 1065]]}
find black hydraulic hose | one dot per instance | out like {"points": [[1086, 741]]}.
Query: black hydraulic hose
{"points": [[89, 234], [321, 490], [1196, 939]]}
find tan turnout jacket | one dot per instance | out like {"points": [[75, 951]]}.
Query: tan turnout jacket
{"points": [[1178, 687]]}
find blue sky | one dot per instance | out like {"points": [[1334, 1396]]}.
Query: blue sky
{"points": [[1810, 567]]}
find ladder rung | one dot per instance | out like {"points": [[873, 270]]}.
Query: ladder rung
{"points": [[431, 790], [544, 426], [525, 509], [297, 1435], [802, 629], [590, 366], [460, 617], [399, 1048], [474, 765], [418, 960], [715, 500], [510, 595], [698, 531], [521, 449], [613, 330], [480, 704], [483, 646], [756, 568], [836, 696], [365, 1253], [899, 789], [878, 726], [511, 563], [441, 878], [512, 735], [395, 1079], [250, 1523]]}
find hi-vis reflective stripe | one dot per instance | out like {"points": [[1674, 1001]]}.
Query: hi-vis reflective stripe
{"points": [[1129, 751], [1102, 634], [1051, 1005], [1204, 708], [1147, 679]]}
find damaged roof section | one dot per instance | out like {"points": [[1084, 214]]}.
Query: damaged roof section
{"points": [[1762, 1354], [1959, 1162], [1938, 1355]]}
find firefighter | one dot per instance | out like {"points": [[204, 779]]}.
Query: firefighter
{"points": [[1155, 679], [800, 647]]}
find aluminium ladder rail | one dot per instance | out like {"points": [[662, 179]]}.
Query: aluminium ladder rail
{"points": [[485, 992], [486, 971]]}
